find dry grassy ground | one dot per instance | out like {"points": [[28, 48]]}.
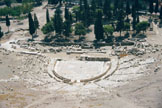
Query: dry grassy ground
{"points": [[25, 82]]}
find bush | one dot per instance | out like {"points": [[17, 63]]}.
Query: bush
{"points": [[109, 39], [48, 39], [126, 35], [142, 26], [80, 29], [47, 28]]}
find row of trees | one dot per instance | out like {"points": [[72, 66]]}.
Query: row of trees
{"points": [[57, 23], [106, 17]]}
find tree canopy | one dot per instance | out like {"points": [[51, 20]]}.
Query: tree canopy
{"points": [[142, 26]]}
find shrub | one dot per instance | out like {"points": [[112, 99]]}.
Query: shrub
{"points": [[47, 28]]}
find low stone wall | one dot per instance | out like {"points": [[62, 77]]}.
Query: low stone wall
{"points": [[97, 77], [95, 58], [113, 71]]}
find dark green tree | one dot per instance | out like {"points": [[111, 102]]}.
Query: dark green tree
{"points": [[70, 18], [53, 2], [76, 12], [47, 16], [151, 7], [133, 11], [116, 5], [7, 22], [157, 6], [120, 21], [137, 5], [80, 29], [108, 30], [128, 10], [86, 14], [68, 22], [160, 13], [134, 15], [48, 28], [58, 21], [1, 33], [19, 1], [99, 3], [142, 26], [31, 25], [36, 22], [98, 28], [107, 9], [8, 3], [120, 5], [81, 10], [66, 13], [138, 19], [93, 10], [126, 26], [67, 28]]}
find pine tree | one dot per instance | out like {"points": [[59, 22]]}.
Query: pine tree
{"points": [[99, 4], [53, 2], [133, 11], [134, 22], [157, 6], [68, 22], [31, 25], [47, 16], [151, 8], [135, 18], [86, 14], [7, 22], [93, 9], [19, 1], [67, 27], [138, 21], [128, 10], [120, 22], [160, 13], [137, 5], [1, 33], [70, 18], [85, 4], [58, 21], [116, 7], [36, 22], [81, 10], [66, 13], [120, 5], [81, 5], [107, 9], [8, 3], [99, 26]]}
